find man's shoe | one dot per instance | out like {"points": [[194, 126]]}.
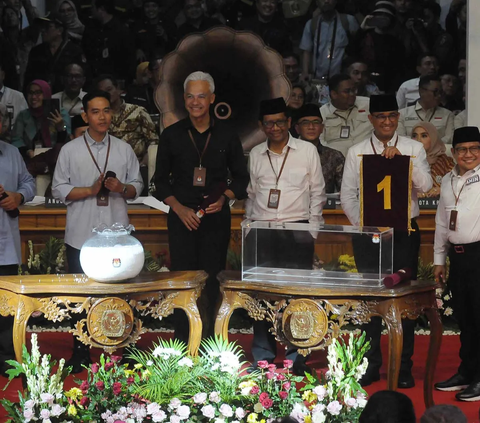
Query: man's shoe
{"points": [[456, 383], [406, 381], [78, 360], [369, 377], [299, 369], [471, 393]]}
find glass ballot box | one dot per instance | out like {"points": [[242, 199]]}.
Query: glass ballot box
{"points": [[316, 254]]}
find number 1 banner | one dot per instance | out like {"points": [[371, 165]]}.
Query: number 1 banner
{"points": [[385, 191]]}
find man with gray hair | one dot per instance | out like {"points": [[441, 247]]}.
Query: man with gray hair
{"points": [[194, 159]]}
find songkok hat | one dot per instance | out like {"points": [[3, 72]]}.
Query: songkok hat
{"points": [[309, 109], [466, 134], [383, 103], [384, 7], [78, 122], [272, 107]]}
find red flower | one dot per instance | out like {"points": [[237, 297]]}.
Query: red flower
{"points": [[85, 401], [95, 368], [109, 365], [115, 358], [100, 385], [272, 368], [255, 390], [267, 403], [130, 380], [287, 364], [269, 375], [263, 396], [262, 364], [286, 386], [84, 386], [283, 395], [117, 388], [280, 376]]}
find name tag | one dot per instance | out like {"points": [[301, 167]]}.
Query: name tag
{"points": [[411, 118], [473, 179]]}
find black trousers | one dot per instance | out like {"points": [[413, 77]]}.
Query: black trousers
{"points": [[405, 255], [6, 323], [285, 249], [464, 282], [202, 249]]}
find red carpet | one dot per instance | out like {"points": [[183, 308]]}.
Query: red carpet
{"points": [[59, 345]]}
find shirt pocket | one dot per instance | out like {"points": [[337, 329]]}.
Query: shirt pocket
{"points": [[297, 177]]}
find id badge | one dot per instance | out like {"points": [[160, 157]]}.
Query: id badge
{"points": [[345, 132], [273, 198], [105, 53], [452, 225], [199, 176], [102, 199]]}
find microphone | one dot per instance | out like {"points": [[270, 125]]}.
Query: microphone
{"points": [[109, 174], [211, 198], [12, 213], [397, 277]]}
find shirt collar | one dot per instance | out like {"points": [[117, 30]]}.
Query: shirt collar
{"points": [[470, 172], [187, 123], [91, 141], [292, 143], [378, 143], [334, 110]]}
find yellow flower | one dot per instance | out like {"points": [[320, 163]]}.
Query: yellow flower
{"points": [[252, 418], [74, 394], [309, 396], [72, 411], [247, 384], [146, 373], [308, 419], [129, 372], [138, 366], [262, 421]]}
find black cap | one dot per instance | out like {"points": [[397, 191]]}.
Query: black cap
{"points": [[466, 134], [51, 17], [309, 109], [383, 103], [272, 107], [384, 7], [78, 122]]}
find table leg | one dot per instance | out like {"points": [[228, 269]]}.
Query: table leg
{"points": [[25, 309], [436, 330], [393, 320], [195, 323], [225, 313]]}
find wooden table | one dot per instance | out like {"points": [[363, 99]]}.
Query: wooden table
{"points": [[310, 317], [113, 311]]}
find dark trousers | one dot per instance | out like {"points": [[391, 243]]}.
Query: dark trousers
{"points": [[6, 323], [405, 255], [285, 249], [464, 282], [202, 249]]}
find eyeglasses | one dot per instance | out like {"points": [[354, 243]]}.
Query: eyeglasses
{"points": [[461, 151], [435, 92], [383, 118], [34, 93], [307, 123], [282, 123]]}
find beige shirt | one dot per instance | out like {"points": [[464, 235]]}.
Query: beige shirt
{"points": [[336, 121], [440, 117], [73, 106], [460, 120]]}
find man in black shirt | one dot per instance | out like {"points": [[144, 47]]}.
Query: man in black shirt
{"points": [[194, 158]]}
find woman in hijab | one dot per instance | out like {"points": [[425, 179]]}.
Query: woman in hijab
{"points": [[40, 125], [68, 14], [440, 163]]}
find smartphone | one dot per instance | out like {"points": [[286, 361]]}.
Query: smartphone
{"points": [[51, 105]]}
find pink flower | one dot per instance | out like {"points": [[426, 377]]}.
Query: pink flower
{"points": [[117, 388], [280, 376], [84, 386], [287, 364], [283, 395], [286, 386], [267, 403], [262, 364], [115, 358], [272, 368], [85, 401], [100, 386], [269, 375], [263, 396], [95, 368], [109, 365], [130, 380], [255, 390], [334, 408]]}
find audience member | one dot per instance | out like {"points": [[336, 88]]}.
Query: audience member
{"points": [[5, 127], [39, 125], [456, 26], [325, 38], [77, 180], [141, 91], [196, 21], [291, 63], [67, 12], [72, 95], [360, 75], [427, 109], [408, 94], [460, 120], [286, 185], [108, 44], [440, 163], [443, 413], [346, 116], [203, 150], [297, 98], [13, 100], [48, 60], [388, 407], [309, 126], [79, 126], [269, 25], [451, 94]]}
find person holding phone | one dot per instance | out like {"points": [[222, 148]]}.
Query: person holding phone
{"points": [[43, 124]]}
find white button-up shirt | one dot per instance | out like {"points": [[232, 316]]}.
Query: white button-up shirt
{"points": [[73, 106], [14, 100], [301, 183], [468, 207], [349, 194], [408, 93]]}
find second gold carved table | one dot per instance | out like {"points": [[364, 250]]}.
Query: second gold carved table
{"points": [[113, 311], [310, 317]]}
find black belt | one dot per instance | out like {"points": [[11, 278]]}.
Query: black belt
{"points": [[473, 247]]}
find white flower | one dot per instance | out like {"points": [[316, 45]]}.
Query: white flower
{"points": [[240, 413], [258, 408], [45, 414], [334, 408], [28, 414], [57, 410], [47, 398], [361, 369], [299, 412], [448, 311], [174, 419], [175, 403], [183, 412], [229, 362], [219, 420], [361, 400], [46, 421], [185, 361], [226, 410], [165, 353], [159, 416], [246, 390], [149, 363], [319, 408], [153, 408], [320, 392], [447, 297], [318, 417], [200, 398], [351, 402], [208, 411], [29, 404], [214, 397]]}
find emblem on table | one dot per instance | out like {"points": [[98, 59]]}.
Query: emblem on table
{"points": [[301, 325], [116, 262], [376, 238], [113, 323]]}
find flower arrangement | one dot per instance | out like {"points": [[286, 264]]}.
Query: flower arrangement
{"points": [[50, 259]]}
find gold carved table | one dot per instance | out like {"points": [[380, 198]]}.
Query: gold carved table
{"points": [[311, 317], [113, 310]]}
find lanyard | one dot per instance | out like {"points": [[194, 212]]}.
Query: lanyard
{"points": [[341, 117], [457, 197], [373, 147], [332, 45], [431, 117], [281, 169], [93, 158], [74, 104], [200, 156]]}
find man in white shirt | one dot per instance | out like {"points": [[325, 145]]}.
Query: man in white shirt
{"points": [[457, 235], [286, 185], [385, 141], [71, 97], [407, 94], [13, 100]]}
